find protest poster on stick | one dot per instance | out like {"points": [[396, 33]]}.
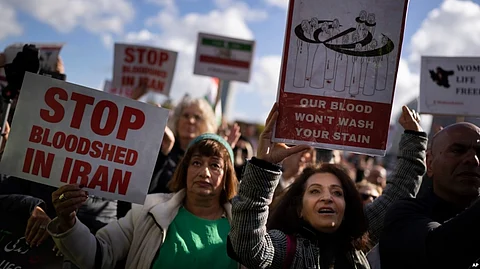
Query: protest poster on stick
{"points": [[450, 86], [224, 57], [64, 133], [133, 64], [338, 73]]}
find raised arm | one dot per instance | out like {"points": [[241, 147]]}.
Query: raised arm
{"points": [[252, 245], [406, 178]]}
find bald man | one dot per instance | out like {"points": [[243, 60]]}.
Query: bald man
{"points": [[441, 229]]}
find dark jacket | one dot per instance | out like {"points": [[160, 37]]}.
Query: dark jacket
{"points": [[96, 212], [164, 169], [429, 232], [18, 206], [14, 185]]}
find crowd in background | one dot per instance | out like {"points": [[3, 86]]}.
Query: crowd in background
{"points": [[222, 195]]}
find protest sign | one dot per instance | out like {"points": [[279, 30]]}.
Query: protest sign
{"points": [[450, 86], [133, 64], [63, 133], [338, 73], [125, 91], [223, 57]]}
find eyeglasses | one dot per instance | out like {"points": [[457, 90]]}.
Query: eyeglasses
{"points": [[365, 196], [188, 116]]}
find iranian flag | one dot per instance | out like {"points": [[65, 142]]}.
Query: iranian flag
{"points": [[221, 52], [211, 97]]}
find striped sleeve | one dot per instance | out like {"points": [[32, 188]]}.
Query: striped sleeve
{"points": [[252, 244], [404, 182]]}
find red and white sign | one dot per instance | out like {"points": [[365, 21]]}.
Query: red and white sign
{"points": [[125, 91], [338, 73], [133, 64], [63, 133]]}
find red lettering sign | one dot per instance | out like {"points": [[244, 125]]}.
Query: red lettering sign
{"points": [[131, 118]]}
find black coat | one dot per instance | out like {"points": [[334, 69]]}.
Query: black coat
{"points": [[428, 232], [164, 169]]}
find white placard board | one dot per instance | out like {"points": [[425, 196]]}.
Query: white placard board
{"points": [[450, 86], [64, 133], [338, 73], [135, 63]]}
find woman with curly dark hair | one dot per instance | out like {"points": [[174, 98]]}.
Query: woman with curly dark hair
{"points": [[338, 227], [319, 223]]}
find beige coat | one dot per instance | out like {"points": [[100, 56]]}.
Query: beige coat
{"points": [[134, 237]]}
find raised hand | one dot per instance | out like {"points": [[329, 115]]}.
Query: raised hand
{"points": [[67, 200], [233, 135], [140, 90], [60, 67], [275, 152], [168, 141], [36, 231], [410, 120]]}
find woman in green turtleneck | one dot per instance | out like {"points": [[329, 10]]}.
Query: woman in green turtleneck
{"points": [[185, 229]]}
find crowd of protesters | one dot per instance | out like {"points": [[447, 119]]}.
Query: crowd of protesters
{"points": [[227, 197]]}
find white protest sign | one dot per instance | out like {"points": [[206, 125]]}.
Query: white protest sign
{"points": [[134, 63], [63, 133], [125, 91], [223, 57], [450, 86], [338, 73]]}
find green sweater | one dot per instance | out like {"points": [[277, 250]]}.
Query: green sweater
{"points": [[193, 242]]}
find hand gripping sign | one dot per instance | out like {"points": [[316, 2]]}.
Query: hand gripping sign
{"points": [[68, 134]]}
